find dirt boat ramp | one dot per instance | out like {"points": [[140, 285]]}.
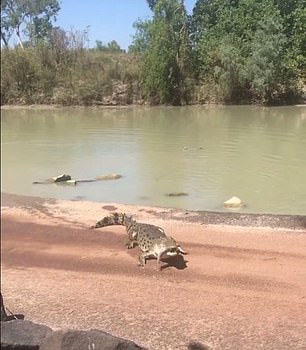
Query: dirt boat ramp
{"points": [[240, 287]]}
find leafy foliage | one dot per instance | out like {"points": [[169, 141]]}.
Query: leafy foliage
{"points": [[165, 45], [241, 45], [112, 46], [232, 51], [29, 17], [294, 17], [60, 70], [142, 37], [152, 3]]}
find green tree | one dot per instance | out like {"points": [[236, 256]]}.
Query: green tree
{"points": [[6, 28], [152, 3], [31, 17], [204, 16], [112, 46], [167, 54], [240, 46], [294, 17], [100, 46], [299, 38], [142, 36], [265, 66]]}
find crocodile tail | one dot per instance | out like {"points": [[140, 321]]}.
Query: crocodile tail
{"points": [[118, 218], [113, 219]]}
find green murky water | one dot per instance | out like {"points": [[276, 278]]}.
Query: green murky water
{"points": [[211, 153]]}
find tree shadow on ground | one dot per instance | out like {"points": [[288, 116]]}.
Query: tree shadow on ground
{"points": [[4, 316]]}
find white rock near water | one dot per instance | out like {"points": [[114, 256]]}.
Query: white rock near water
{"points": [[233, 202]]}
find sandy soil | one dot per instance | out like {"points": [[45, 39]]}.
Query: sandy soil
{"points": [[239, 287]]}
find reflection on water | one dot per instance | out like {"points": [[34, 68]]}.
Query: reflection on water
{"points": [[211, 153]]}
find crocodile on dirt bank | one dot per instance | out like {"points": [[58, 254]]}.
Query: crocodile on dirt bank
{"points": [[152, 240]]}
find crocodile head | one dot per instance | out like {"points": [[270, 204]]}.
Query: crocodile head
{"points": [[168, 247]]}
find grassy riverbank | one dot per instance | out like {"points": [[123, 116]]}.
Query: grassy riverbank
{"points": [[229, 52], [71, 77], [83, 77]]}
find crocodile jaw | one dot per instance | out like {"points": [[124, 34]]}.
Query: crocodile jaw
{"points": [[169, 251], [172, 253], [175, 251], [180, 250]]}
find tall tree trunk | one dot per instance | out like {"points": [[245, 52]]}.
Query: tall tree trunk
{"points": [[18, 36], [3, 38]]}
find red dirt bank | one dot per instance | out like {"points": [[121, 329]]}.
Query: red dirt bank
{"points": [[241, 287]]}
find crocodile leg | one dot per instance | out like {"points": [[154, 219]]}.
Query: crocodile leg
{"points": [[159, 266], [143, 258], [131, 244]]}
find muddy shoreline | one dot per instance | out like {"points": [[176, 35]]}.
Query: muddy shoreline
{"points": [[123, 106], [294, 222], [55, 106]]}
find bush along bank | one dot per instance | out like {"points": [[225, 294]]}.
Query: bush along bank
{"points": [[242, 51], [42, 75]]}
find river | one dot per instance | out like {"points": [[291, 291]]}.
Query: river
{"points": [[209, 153]]}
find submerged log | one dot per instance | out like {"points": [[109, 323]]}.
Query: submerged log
{"points": [[61, 178], [176, 194], [109, 177], [55, 179]]}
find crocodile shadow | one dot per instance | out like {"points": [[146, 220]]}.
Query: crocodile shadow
{"points": [[197, 346], [175, 261]]}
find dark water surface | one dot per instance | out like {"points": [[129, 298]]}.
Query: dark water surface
{"points": [[210, 153]]}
